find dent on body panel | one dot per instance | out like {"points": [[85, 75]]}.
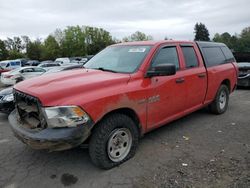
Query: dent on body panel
{"points": [[133, 99]]}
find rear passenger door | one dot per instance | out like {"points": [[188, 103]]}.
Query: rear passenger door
{"points": [[195, 77]]}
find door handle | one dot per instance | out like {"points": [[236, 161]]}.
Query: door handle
{"points": [[179, 80], [201, 75]]}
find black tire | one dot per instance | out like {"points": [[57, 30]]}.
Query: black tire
{"points": [[216, 106], [101, 134]]}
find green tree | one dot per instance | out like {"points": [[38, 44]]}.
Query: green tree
{"points": [[13, 54], [233, 42], [59, 36], [3, 51], [25, 40], [224, 38], [137, 36], [245, 39], [15, 47], [96, 39], [73, 42], [201, 32], [80, 41], [14, 44], [51, 49], [34, 50]]}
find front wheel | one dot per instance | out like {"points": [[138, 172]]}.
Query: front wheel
{"points": [[220, 103], [113, 141]]}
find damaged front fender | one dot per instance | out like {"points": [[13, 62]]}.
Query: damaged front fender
{"points": [[52, 139]]}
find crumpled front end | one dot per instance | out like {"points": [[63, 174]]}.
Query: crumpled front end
{"points": [[29, 124]]}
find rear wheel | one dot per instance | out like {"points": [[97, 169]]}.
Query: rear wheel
{"points": [[113, 141], [220, 103]]}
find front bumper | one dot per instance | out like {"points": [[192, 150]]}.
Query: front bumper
{"points": [[53, 139], [244, 81]]}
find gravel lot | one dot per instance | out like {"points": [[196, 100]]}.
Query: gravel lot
{"points": [[199, 150]]}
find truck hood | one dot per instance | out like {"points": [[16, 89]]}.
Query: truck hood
{"points": [[67, 87]]}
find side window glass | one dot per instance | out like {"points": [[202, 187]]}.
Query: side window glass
{"points": [[167, 55], [39, 70], [27, 70], [227, 53], [190, 57], [213, 56]]}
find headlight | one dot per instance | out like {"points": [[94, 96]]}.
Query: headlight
{"points": [[65, 116], [9, 97]]}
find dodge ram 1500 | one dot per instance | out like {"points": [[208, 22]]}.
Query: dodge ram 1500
{"points": [[123, 92]]}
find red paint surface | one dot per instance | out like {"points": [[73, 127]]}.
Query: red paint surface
{"points": [[99, 92]]}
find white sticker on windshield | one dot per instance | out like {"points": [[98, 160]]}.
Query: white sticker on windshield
{"points": [[137, 50]]}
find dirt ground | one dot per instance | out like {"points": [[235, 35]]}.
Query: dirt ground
{"points": [[199, 150]]}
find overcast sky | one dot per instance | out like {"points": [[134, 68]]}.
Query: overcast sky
{"points": [[159, 18]]}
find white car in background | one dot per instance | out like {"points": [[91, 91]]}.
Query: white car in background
{"points": [[10, 64], [10, 78], [63, 60], [48, 66]]}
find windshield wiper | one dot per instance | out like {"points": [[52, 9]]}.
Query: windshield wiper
{"points": [[104, 69]]}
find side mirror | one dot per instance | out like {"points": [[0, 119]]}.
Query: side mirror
{"points": [[162, 70]]}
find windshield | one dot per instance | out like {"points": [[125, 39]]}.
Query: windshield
{"points": [[3, 64], [123, 59]]}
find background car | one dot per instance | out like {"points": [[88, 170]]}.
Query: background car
{"points": [[63, 60], [49, 65], [23, 61], [75, 60], [11, 64], [46, 61], [244, 74], [85, 59], [7, 100], [12, 77], [32, 63], [63, 68], [4, 63]]}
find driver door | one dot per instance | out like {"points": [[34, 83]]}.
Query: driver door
{"points": [[167, 94]]}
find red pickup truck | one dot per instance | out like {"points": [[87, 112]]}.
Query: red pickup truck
{"points": [[123, 92]]}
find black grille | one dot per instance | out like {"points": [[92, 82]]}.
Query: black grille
{"points": [[29, 111]]}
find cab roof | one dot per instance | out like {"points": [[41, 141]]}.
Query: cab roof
{"points": [[152, 43]]}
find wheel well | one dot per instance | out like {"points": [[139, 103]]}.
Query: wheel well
{"points": [[130, 113], [227, 83]]}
